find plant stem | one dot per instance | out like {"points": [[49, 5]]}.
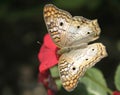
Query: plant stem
{"points": [[103, 86]]}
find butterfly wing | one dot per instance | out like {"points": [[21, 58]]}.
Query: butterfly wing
{"points": [[66, 30], [57, 22], [83, 30], [72, 65]]}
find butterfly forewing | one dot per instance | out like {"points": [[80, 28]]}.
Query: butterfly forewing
{"points": [[72, 65], [57, 22]]}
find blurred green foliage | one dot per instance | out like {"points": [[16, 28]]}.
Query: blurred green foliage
{"points": [[117, 78], [22, 25], [94, 82]]}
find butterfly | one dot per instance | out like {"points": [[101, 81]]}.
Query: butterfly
{"points": [[72, 35]]}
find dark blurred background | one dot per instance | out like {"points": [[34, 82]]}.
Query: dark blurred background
{"points": [[22, 25]]}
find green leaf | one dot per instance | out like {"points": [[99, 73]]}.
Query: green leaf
{"points": [[94, 82], [117, 78], [58, 83], [55, 74], [54, 71]]}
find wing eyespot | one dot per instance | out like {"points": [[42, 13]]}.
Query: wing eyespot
{"points": [[73, 68], [88, 32], [61, 23], [78, 26], [93, 49]]}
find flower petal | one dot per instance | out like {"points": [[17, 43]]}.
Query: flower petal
{"points": [[47, 55], [116, 93], [46, 79], [48, 42]]}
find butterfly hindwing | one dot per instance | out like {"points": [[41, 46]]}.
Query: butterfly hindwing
{"points": [[72, 65]]}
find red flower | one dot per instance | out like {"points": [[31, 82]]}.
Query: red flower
{"points": [[48, 58], [116, 93], [46, 79], [47, 55]]}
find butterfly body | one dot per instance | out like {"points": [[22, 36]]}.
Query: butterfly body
{"points": [[72, 35]]}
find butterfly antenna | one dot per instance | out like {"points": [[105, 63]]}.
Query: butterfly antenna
{"points": [[38, 42]]}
